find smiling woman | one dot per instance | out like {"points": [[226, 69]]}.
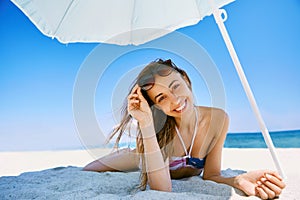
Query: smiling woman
{"points": [[176, 138]]}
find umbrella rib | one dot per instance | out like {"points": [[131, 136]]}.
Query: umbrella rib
{"points": [[132, 19], [198, 9], [62, 19]]}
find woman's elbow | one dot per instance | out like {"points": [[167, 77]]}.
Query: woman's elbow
{"points": [[211, 177], [163, 188], [97, 166]]}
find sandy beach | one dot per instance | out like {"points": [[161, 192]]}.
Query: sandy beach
{"points": [[58, 175]]}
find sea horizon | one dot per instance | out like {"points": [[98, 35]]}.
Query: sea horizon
{"points": [[281, 139], [270, 131]]}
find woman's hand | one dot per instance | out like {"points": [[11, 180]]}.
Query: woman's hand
{"points": [[262, 183], [138, 107]]}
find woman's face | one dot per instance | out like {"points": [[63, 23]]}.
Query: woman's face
{"points": [[171, 94]]}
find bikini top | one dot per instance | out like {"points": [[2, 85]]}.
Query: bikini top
{"points": [[180, 162], [187, 160]]}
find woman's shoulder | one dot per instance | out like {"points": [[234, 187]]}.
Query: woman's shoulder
{"points": [[213, 115], [213, 120], [212, 111]]}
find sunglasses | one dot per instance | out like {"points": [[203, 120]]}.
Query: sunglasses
{"points": [[147, 81]]}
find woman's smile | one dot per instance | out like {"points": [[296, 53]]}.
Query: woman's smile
{"points": [[181, 106]]}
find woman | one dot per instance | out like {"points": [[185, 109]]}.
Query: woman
{"points": [[175, 138]]}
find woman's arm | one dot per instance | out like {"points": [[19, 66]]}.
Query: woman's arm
{"points": [[157, 170], [218, 127], [262, 183], [121, 160]]}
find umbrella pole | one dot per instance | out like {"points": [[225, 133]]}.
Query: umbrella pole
{"points": [[220, 21]]}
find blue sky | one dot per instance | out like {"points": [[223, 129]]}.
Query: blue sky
{"points": [[37, 74]]}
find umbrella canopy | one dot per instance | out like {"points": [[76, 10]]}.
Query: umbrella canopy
{"points": [[133, 22], [116, 21]]}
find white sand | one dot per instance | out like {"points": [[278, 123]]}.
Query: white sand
{"points": [[72, 183]]}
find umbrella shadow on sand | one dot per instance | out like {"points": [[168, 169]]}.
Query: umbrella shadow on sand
{"points": [[73, 183]]}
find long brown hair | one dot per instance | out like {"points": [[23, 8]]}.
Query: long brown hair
{"points": [[164, 125]]}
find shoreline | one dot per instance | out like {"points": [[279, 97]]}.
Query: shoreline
{"points": [[17, 162]]}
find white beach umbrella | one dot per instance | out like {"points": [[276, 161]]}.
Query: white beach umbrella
{"points": [[134, 22]]}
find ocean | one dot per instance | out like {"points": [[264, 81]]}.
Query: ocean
{"points": [[281, 139]]}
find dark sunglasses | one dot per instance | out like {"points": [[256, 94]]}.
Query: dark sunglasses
{"points": [[147, 81]]}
